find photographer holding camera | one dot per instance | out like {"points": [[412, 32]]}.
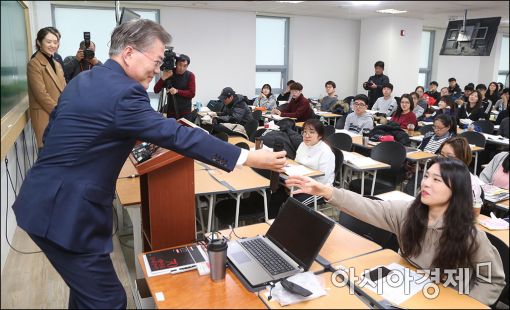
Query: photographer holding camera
{"points": [[84, 60], [179, 84], [375, 83]]}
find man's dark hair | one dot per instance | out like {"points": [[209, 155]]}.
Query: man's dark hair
{"points": [[330, 83], [388, 85], [481, 86], [379, 64], [452, 79], [183, 57], [296, 86], [469, 87], [316, 124], [82, 44], [361, 97], [41, 34], [434, 83], [290, 82]]}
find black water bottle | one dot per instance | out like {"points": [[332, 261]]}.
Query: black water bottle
{"points": [[275, 176]]}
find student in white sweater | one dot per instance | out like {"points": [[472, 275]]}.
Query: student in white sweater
{"points": [[314, 153]]}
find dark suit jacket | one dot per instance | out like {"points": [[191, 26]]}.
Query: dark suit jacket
{"points": [[67, 195]]}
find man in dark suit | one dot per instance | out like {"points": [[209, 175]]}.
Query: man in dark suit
{"points": [[65, 203]]}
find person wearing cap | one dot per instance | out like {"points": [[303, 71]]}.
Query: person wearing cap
{"points": [[359, 119], [386, 104], [235, 109], [375, 83], [433, 93], [298, 106], [454, 88], [180, 85]]}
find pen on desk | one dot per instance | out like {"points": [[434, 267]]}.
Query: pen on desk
{"points": [[182, 269]]}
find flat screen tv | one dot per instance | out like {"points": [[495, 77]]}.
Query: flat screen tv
{"points": [[476, 39]]}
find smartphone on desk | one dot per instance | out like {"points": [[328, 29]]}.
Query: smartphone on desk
{"points": [[377, 273]]}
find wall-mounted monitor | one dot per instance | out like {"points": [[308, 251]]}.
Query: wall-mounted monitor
{"points": [[127, 15], [475, 39]]}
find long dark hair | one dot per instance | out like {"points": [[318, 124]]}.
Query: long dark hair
{"points": [[478, 104], [505, 164], [457, 244], [399, 111], [450, 103]]}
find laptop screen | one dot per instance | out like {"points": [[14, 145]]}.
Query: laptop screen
{"points": [[300, 232]]}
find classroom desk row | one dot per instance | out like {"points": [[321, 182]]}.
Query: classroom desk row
{"points": [[190, 290]]}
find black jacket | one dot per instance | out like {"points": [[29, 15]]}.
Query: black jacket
{"points": [[287, 134], [236, 112], [399, 134], [373, 94]]}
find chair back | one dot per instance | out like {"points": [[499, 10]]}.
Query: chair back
{"points": [[393, 154], [504, 128], [340, 141], [257, 114], [503, 252], [384, 238], [243, 145], [340, 122], [339, 161], [485, 126], [427, 128], [328, 131], [250, 127], [474, 137], [222, 136]]}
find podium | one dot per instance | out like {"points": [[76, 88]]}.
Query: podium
{"points": [[167, 193]]}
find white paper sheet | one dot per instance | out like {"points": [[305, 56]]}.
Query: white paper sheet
{"points": [[292, 169]]}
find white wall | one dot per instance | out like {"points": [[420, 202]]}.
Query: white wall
{"points": [[466, 69], [323, 49], [8, 195], [221, 45], [380, 40]]}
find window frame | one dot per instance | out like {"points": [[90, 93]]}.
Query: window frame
{"points": [[503, 72], [284, 69], [428, 70]]}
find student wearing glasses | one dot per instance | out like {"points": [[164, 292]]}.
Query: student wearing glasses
{"points": [[404, 114], [458, 147], [359, 119], [314, 153], [436, 230], [444, 128]]}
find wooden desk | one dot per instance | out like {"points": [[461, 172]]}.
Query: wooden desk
{"points": [[329, 116], [336, 298], [128, 191], [448, 297], [237, 139], [352, 163], [503, 205], [128, 170], [192, 291], [501, 234]]}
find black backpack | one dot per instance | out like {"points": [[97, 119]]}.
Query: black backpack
{"points": [[395, 131]]}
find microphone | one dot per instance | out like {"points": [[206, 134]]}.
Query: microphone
{"points": [[275, 176]]}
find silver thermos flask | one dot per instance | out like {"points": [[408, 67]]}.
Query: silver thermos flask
{"points": [[217, 252]]}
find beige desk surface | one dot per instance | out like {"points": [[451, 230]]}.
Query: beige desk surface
{"points": [[189, 290], [377, 166], [336, 298], [300, 124], [237, 139], [128, 191], [419, 155], [205, 184], [448, 297], [241, 178], [503, 204], [501, 234], [128, 169], [315, 173], [328, 115]]}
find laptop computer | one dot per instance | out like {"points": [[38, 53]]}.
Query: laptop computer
{"points": [[289, 247]]}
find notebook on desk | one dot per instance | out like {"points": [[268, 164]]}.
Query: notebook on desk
{"points": [[289, 247]]}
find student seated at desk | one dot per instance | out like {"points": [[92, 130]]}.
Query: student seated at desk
{"points": [[359, 119], [266, 99], [444, 128], [314, 153], [496, 171], [458, 147], [473, 108], [404, 114], [436, 230], [298, 106], [446, 106]]}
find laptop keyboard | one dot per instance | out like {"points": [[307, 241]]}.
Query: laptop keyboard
{"points": [[266, 256]]}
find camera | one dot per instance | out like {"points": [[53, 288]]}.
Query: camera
{"points": [[88, 53], [169, 59]]}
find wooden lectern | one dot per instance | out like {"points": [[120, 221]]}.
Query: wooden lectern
{"points": [[167, 193]]}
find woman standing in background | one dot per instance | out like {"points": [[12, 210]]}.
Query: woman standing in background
{"points": [[46, 81]]}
